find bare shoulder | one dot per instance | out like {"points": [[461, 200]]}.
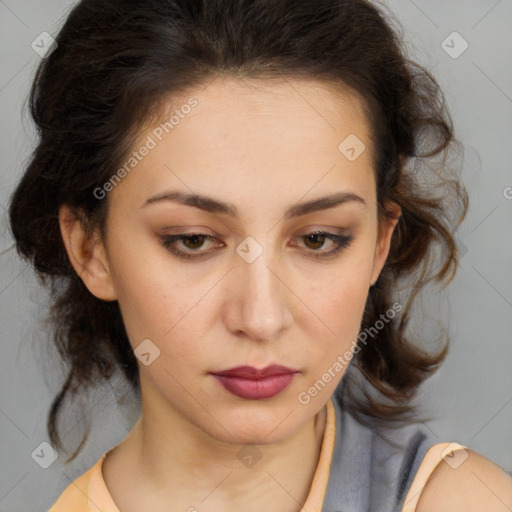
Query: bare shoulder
{"points": [[475, 483]]}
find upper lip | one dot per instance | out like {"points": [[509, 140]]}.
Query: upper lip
{"points": [[249, 372]]}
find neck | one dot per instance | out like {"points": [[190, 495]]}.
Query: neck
{"points": [[176, 462]]}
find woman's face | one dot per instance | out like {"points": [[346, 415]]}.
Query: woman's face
{"points": [[257, 287]]}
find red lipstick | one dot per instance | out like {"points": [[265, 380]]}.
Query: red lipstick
{"points": [[252, 384]]}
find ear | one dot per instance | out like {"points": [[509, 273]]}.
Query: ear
{"points": [[87, 255], [385, 232]]}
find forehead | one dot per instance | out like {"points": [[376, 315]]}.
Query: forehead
{"points": [[262, 134], [296, 103]]}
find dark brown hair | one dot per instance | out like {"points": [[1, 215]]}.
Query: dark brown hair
{"points": [[117, 61]]}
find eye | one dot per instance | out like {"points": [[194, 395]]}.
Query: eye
{"points": [[316, 240], [192, 241]]}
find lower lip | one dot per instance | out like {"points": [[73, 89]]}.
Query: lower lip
{"points": [[256, 389]]}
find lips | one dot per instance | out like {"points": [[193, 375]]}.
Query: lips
{"points": [[253, 384], [248, 372]]}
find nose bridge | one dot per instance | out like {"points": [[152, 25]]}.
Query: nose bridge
{"points": [[262, 298]]}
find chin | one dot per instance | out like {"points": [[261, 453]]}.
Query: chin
{"points": [[260, 426]]}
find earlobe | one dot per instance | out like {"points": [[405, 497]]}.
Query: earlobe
{"points": [[87, 255], [384, 241]]}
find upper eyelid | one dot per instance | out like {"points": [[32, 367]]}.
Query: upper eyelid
{"points": [[205, 231], [317, 231], [341, 238]]}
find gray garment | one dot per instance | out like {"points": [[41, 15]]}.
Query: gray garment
{"points": [[369, 474]]}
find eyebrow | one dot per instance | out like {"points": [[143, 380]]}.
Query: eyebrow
{"points": [[211, 205]]}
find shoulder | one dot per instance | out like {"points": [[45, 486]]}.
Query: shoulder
{"points": [[472, 483]]}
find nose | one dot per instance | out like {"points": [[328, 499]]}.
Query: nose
{"points": [[259, 308]]}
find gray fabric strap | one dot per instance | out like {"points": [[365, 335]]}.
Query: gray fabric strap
{"points": [[368, 473]]}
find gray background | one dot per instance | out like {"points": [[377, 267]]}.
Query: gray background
{"points": [[470, 398]]}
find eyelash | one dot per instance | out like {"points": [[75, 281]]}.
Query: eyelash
{"points": [[341, 241]]}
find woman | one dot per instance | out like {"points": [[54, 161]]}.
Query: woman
{"points": [[226, 197]]}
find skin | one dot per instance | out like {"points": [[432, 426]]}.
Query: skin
{"points": [[476, 485], [263, 147]]}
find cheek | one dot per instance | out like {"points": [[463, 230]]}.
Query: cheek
{"points": [[152, 298], [340, 306], [341, 311], [338, 300], [168, 307], [159, 311]]}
